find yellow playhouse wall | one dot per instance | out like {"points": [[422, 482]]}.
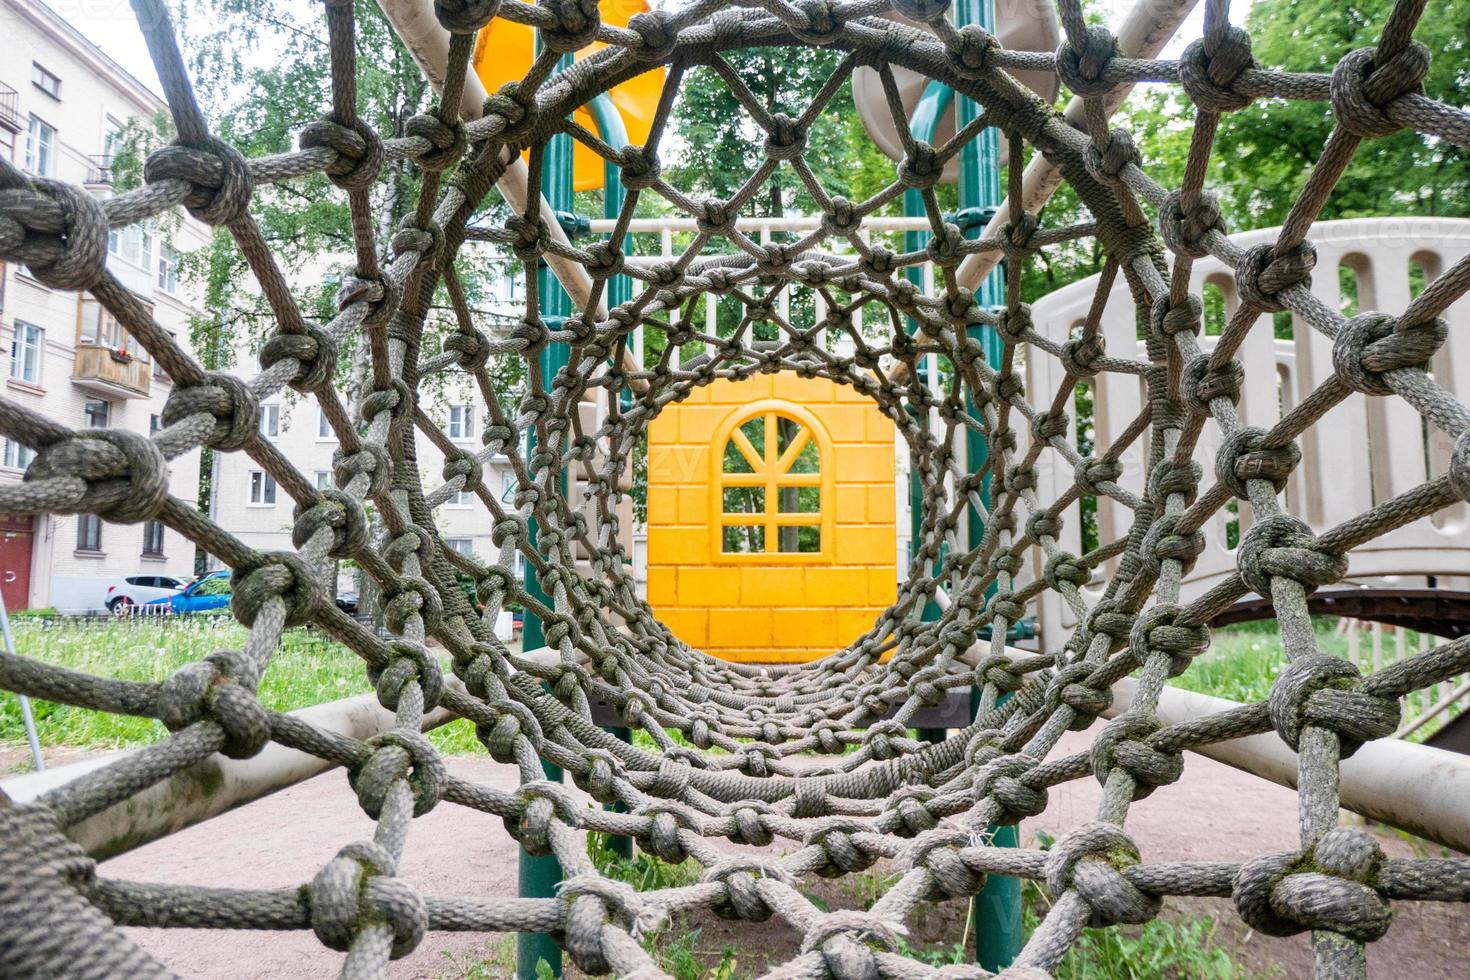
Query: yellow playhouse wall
{"points": [[749, 610]]}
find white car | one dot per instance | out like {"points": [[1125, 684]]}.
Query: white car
{"points": [[135, 590]]}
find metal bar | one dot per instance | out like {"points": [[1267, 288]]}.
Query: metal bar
{"points": [[215, 785], [802, 222], [1423, 790], [28, 719]]}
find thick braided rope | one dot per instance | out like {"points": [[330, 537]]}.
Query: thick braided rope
{"points": [[880, 794]]}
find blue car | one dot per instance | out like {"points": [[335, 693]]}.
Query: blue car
{"points": [[207, 592]]}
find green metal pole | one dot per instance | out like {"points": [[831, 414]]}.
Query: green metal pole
{"points": [[997, 911], [540, 876], [619, 290]]}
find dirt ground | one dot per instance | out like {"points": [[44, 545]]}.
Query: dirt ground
{"points": [[1214, 813]]}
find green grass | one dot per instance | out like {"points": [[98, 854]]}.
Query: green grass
{"points": [[309, 668]]}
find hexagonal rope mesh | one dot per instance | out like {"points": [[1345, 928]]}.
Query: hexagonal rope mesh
{"points": [[737, 770]]}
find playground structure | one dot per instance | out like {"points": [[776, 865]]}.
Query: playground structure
{"points": [[987, 513]]}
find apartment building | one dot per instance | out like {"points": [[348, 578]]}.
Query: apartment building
{"points": [[64, 106], [248, 503]]}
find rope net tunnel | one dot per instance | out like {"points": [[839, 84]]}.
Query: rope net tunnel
{"points": [[735, 772]]}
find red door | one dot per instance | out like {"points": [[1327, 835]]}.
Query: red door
{"points": [[16, 538]]}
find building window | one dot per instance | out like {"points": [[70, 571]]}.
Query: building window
{"points": [[45, 81], [89, 533], [508, 489], [461, 546], [40, 147], [270, 421], [324, 427], [324, 479], [17, 455], [133, 244], [98, 413], [462, 498], [772, 486], [26, 348], [155, 422], [262, 489], [153, 539], [461, 421], [168, 268]]}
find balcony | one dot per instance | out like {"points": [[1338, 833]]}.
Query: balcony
{"points": [[99, 170], [111, 375], [9, 108]]}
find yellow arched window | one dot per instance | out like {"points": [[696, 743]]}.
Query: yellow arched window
{"points": [[772, 486]]}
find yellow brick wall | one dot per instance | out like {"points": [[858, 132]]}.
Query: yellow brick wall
{"points": [[771, 608]]}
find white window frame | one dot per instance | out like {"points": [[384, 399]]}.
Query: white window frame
{"points": [[88, 415], [461, 546], [46, 80], [270, 422], [461, 423], [261, 489], [16, 455], [168, 268], [324, 480], [324, 431], [41, 140], [461, 499], [27, 338]]}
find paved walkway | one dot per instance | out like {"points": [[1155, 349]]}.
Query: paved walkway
{"points": [[1213, 813]]}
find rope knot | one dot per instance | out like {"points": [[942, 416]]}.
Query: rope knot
{"points": [[359, 151], [1083, 71], [1185, 232], [1107, 165], [1068, 686], [465, 16], [1003, 780], [1163, 542], [1158, 631], [1333, 885], [602, 774], [408, 662], [921, 167], [1363, 91], [1202, 382], [589, 898], [315, 353], [281, 575], [848, 940], [640, 169], [1091, 472], [1208, 72], [1282, 545], [211, 689], [409, 597], [1371, 345], [119, 475], [513, 720], [666, 819], [969, 54], [219, 179], [604, 260], [1243, 456], [844, 855], [786, 139], [471, 350], [1328, 692], [426, 239], [515, 111], [399, 753], [657, 37], [1093, 859], [446, 139], [337, 513], [370, 460], [577, 23], [380, 294], [355, 890], [938, 851], [1261, 274], [1124, 744], [1167, 318], [58, 231], [741, 878]]}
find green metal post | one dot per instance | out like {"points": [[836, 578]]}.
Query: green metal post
{"points": [[997, 910], [619, 290], [540, 876]]}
